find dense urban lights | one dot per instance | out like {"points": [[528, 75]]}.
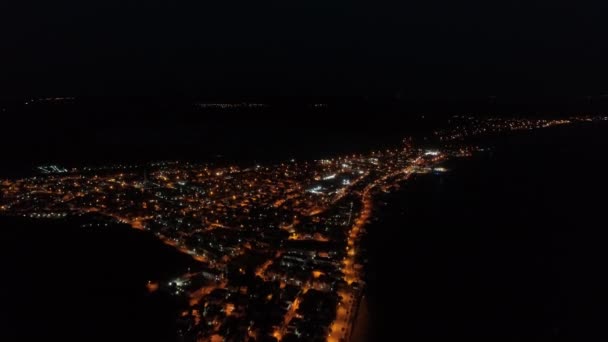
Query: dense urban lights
{"points": [[292, 228]]}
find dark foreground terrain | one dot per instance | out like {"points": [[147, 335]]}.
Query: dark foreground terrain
{"points": [[62, 282]]}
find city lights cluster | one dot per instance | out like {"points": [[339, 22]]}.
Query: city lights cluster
{"points": [[277, 245]]}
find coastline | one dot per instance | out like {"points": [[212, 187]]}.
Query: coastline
{"points": [[488, 248], [435, 228], [360, 329]]}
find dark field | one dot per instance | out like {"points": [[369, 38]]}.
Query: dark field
{"points": [[62, 282]]}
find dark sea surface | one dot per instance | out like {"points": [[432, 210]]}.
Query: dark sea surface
{"points": [[507, 246], [62, 282], [93, 132]]}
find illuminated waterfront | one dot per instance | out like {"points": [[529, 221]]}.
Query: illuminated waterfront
{"points": [[277, 245]]}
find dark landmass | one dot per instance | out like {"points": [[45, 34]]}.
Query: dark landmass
{"points": [[63, 282]]}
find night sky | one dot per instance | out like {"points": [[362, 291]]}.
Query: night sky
{"points": [[137, 69], [432, 48]]}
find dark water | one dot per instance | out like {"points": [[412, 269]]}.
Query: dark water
{"points": [[61, 282], [507, 247], [149, 129]]}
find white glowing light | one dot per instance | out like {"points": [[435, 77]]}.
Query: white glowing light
{"points": [[315, 190]]}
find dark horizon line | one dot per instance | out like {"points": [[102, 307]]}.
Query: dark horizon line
{"points": [[399, 95]]}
